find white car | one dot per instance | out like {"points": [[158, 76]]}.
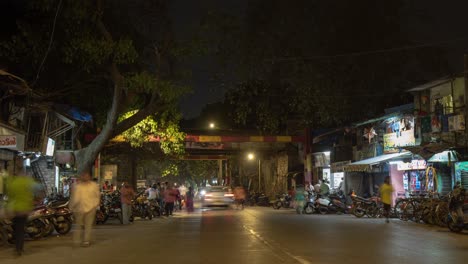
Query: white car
{"points": [[217, 196]]}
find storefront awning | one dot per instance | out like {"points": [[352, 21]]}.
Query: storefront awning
{"points": [[366, 165], [428, 150]]}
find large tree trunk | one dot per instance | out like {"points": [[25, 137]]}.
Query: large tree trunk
{"points": [[85, 157]]}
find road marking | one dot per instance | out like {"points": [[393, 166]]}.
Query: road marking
{"points": [[277, 248]]}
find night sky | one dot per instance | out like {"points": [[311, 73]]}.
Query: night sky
{"points": [[430, 21], [188, 15]]}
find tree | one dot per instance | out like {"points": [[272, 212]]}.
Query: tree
{"points": [[109, 57], [325, 63]]}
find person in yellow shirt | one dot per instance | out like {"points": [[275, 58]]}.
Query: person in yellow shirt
{"points": [[20, 190], [386, 191]]}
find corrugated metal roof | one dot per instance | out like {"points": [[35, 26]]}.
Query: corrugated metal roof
{"points": [[430, 85]]}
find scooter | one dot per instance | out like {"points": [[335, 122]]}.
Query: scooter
{"points": [[282, 200], [311, 206], [458, 211]]}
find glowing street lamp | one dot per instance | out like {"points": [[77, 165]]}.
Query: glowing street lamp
{"points": [[251, 156], [212, 125]]}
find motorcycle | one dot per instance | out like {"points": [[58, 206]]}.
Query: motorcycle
{"points": [[282, 200], [259, 199], [155, 208], [141, 208], [362, 206], [6, 232], [110, 207], [338, 203], [458, 211], [63, 218], [39, 223]]}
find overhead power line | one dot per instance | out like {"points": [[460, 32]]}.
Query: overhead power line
{"points": [[369, 52], [51, 40]]}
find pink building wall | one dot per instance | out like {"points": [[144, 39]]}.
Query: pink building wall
{"points": [[397, 180]]}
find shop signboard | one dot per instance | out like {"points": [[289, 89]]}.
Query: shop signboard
{"points": [[413, 165], [339, 166], [399, 133], [8, 141]]}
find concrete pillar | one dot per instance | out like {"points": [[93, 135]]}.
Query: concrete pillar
{"points": [[220, 172]]}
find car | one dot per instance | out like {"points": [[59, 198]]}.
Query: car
{"points": [[221, 196]]}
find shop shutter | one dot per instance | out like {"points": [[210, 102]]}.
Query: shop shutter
{"points": [[464, 179], [446, 183]]}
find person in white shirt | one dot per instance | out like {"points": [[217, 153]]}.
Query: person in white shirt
{"points": [[84, 201], [152, 192]]}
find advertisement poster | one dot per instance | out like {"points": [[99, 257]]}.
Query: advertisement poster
{"points": [[456, 123], [399, 133]]}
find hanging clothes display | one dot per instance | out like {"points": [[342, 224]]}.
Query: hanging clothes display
{"points": [[431, 179]]}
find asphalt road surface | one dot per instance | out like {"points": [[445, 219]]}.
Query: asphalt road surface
{"points": [[254, 235]]}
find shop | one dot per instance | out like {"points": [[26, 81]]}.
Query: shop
{"points": [[461, 173], [408, 176], [338, 173], [365, 176], [441, 165], [322, 166]]}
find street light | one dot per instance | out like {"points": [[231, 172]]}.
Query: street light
{"points": [[251, 156], [212, 125]]}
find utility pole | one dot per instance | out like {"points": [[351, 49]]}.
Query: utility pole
{"points": [[465, 74], [259, 177]]}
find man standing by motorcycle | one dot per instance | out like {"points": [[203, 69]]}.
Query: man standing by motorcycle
{"points": [[20, 191], [84, 201], [126, 196], [386, 191]]}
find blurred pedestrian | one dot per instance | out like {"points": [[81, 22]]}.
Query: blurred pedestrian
{"points": [[386, 191], [84, 202], [239, 196], [169, 199], [106, 186], [20, 191], [300, 201], [324, 188], [126, 196], [189, 198]]}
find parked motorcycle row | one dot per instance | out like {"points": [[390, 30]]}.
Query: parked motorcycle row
{"points": [[316, 203], [52, 216], [450, 211], [111, 207]]}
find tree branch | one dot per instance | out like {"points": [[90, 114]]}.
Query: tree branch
{"points": [[126, 124]]}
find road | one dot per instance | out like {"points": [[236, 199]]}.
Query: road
{"points": [[253, 235]]}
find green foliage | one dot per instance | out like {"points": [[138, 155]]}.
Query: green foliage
{"points": [[164, 127]]}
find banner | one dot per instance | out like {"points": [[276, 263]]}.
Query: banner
{"points": [[400, 133]]}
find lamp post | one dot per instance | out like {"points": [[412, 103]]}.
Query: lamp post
{"points": [[251, 156]]}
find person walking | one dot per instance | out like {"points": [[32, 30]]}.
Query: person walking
{"points": [[20, 191], [126, 196], [169, 199], [299, 198], [84, 201], [386, 191], [189, 197]]}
